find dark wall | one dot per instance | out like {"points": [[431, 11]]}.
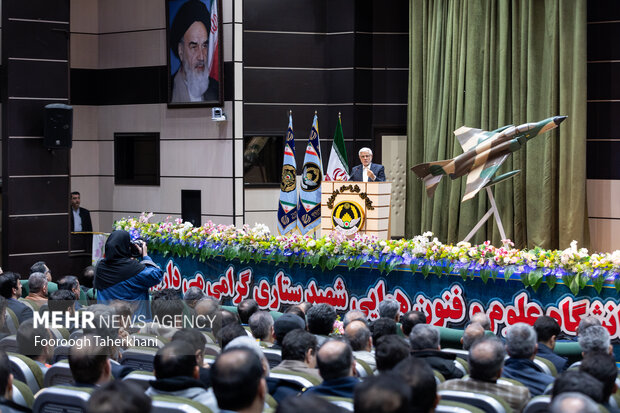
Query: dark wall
{"points": [[345, 56], [35, 181], [603, 90]]}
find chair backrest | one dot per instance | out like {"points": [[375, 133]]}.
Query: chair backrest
{"points": [[140, 377], [9, 344], [139, 358], [363, 369], [212, 349], [464, 354], [304, 380], [274, 356], [33, 304], [545, 366], [62, 399], [210, 337], [58, 374], [539, 404], [461, 365], [439, 378], [449, 406], [22, 394], [171, 404], [485, 402], [26, 370], [11, 321], [60, 353], [343, 402]]}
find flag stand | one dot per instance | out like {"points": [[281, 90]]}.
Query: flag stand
{"points": [[493, 210]]}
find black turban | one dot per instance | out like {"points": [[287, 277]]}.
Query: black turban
{"points": [[190, 12]]}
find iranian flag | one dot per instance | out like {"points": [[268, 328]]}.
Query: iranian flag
{"points": [[338, 167], [213, 64]]}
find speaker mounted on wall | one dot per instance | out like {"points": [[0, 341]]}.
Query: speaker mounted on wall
{"points": [[58, 129]]}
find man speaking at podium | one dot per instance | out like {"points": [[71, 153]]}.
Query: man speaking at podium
{"points": [[367, 171]]}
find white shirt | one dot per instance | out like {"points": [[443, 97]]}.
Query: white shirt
{"points": [[77, 220], [365, 173]]}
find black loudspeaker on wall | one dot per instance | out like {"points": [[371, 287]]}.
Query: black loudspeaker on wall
{"points": [[58, 130]]}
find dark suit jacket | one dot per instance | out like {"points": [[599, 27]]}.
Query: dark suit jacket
{"points": [[21, 310], [560, 363], [87, 225], [378, 170]]}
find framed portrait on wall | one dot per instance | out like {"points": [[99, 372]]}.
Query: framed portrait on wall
{"points": [[194, 41]]}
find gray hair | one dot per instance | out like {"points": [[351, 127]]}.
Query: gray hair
{"points": [[248, 343], [473, 332], [353, 315], [193, 294], [364, 150], [486, 358], [36, 282], [424, 336], [521, 341], [587, 321], [389, 308], [260, 324], [594, 339], [573, 402], [482, 319]]}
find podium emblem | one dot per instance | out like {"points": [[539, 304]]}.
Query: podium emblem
{"points": [[348, 217]]}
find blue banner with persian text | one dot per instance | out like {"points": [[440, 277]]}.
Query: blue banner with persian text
{"points": [[447, 301]]}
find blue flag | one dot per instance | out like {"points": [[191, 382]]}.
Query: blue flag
{"points": [[287, 207], [309, 207]]}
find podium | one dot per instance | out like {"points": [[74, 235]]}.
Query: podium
{"points": [[356, 207]]}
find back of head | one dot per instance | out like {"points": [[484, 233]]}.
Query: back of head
{"points": [[580, 382], [546, 327], [68, 282], [88, 361], [572, 402], [421, 380], [297, 343], [61, 300], [389, 351], [5, 371], [389, 308], [385, 393], [286, 323], [382, 327], [29, 339], [165, 305], [38, 266], [119, 396], [88, 276], [192, 295], [8, 281], [482, 319], [236, 377], [228, 317], [229, 333], [246, 308], [411, 319], [295, 309], [192, 336], [321, 318], [37, 282], [424, 337], [594, 339], [473, 332], [334, 359], [307, 404], [358, 334], [353, 315], [601, 366], [175, 359], [521, 341], [587, 321], [486, 359], [206, 306], [260, 324]]}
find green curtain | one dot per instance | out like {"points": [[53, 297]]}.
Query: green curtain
{"points": [[486, 64]]}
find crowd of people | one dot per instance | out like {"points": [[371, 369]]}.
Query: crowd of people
{"points": [[250, 360]]}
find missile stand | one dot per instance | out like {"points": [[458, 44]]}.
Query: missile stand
{"points": [[493, 210]]}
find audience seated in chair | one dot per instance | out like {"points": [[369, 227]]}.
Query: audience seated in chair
{"points": [[358, 334], [239, 381], [62, 303], [166, 308], [482, 319], [547, 331], [198, 341], [90, 362], [572, 402], [35, 343], [6, 385], [37, 289], [41, 267], [245, 309], [389, 351], [176, 372], [602, 367], [422, 384], [390, 308], [261, 326], [337, 368], [410, 319], [595, 339], [579, 382], [321, 318], [521, 345], [283, 325], [192, 296], [353, 315], [206, 309], [11, 289], [230, 332], [473, 332], [385, 393], [424, 340], [71, 283], [486, 360], [119, 397], [299, 354], [382, 327]]}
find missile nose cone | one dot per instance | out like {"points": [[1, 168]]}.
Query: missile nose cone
{"points": [[559, 119]]}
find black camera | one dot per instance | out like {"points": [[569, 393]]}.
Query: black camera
{"points": [[136, 248]]}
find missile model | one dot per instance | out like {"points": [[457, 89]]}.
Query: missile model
{"points": [[484, 153]]}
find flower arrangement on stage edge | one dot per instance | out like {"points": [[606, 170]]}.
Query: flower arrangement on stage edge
{"points": [[423, 253]]}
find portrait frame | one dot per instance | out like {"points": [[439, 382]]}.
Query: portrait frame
{"points": [[193, 55]]}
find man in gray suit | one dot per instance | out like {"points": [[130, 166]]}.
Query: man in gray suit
{"points": [[367, 171]]}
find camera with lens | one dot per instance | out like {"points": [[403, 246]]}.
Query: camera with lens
{"points": [[136, 247]]}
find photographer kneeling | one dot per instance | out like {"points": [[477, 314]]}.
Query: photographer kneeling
{"points": [[120, 277]]}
